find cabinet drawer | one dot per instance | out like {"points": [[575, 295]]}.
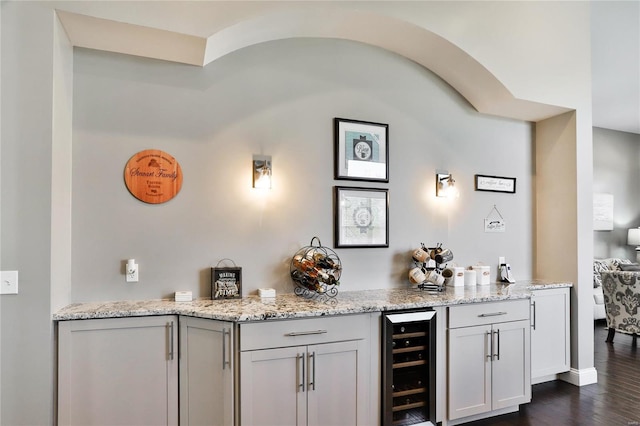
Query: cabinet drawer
{"points": [[283, 333], [488, 313]]}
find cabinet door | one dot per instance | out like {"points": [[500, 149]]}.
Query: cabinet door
{"points": [[272, 387], [550, 350], [337, 384], [206, 372], [120, 371], [469, 371], [511, 368]]}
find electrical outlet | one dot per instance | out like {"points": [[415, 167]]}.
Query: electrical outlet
{"points": [[132, 275], [131, 271], [9, 282]]}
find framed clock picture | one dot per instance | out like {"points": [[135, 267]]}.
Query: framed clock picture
{"points": [[361, 217]]}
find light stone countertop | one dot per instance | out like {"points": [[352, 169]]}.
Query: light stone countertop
{"points": [[287, 306]]}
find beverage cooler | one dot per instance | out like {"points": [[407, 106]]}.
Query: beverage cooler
{"points": [[408, 364]]}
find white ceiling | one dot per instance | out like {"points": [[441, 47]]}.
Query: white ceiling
{"points": [[615, 38]]}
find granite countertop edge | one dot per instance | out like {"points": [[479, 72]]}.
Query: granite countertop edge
{"points": [[290, 306]]}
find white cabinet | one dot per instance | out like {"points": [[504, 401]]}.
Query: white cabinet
{"points": [[550, 338], [305, 372], [119, 371], [206, 372], [489, 358]]}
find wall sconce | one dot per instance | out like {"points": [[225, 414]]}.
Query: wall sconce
{"points": [[633, 239], [446, 186], [262, 170]]}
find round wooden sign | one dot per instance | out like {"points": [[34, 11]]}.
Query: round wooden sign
{"points": [[153, 176]]}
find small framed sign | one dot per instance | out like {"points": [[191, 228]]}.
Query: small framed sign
{"points": [[226, 282], [495, 184]]}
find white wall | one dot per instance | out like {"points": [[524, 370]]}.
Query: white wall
{"points": [[26, 328], [279, 98], [616, 171]]}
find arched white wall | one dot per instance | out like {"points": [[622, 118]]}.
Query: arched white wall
{"points": [[451, 63]]}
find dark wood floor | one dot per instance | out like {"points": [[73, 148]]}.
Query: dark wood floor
{"points": [[613, 401]]}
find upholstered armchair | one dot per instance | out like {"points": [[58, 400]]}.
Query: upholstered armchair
{"points": [[600, 266], [622, 302]]}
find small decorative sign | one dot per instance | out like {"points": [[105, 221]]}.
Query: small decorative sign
{"points": [[493, 223], [153, 176], [495, 184], [226, 281]]}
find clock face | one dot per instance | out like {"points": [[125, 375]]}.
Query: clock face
{"points": [[362, 217], [362, 151]]}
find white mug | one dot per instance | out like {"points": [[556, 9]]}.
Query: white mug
{"points": [[416, 276], [444, 256], [449, 276], [435, 278], [420, 255]]}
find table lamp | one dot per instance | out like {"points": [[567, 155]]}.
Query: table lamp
{"points": [[633, 239]]}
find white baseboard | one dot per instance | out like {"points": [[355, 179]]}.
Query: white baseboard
{"points": [[586, 376]]}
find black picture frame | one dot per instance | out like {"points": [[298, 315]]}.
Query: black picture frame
{"points": [[361, 150], [361, 217], [495, 184], [226, 282]]}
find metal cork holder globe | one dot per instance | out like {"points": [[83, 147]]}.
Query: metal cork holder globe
{"points": [[316, 271]]}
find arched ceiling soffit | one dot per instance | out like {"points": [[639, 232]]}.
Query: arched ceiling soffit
{"points": [[465, 74]]}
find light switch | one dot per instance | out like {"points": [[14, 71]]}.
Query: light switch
{"points": [[9, 282]]}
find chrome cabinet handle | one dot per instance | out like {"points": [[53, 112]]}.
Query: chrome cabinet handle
{"points": [[305, 333], [170, 330], [534, 314], [312, 371], [224, 349], [490, 345], [225, 333], [492, 314], [300, 361]]}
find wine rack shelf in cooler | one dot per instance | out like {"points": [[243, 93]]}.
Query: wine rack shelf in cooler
{"points": [[409, 368]]}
